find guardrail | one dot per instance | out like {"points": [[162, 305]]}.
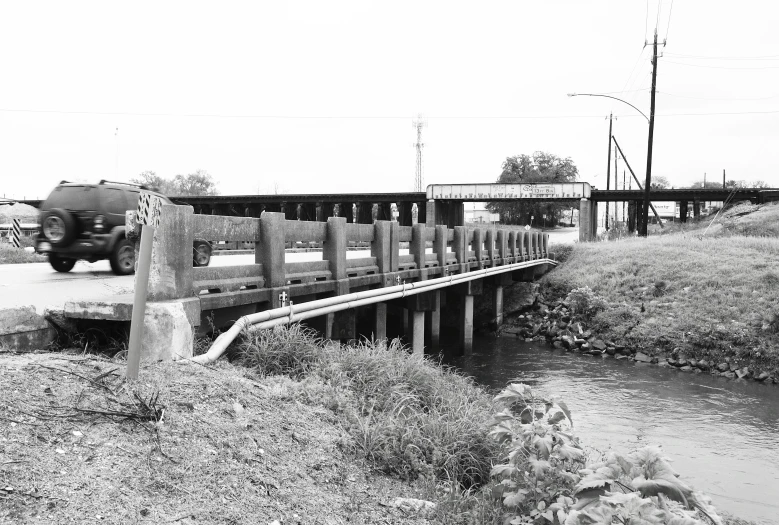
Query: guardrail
{"points": [[270, 279]]}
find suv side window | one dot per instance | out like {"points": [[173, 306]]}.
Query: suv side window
{"points": [[114, 201]]}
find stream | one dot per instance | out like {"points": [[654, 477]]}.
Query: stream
{"points": [[720, 434]]}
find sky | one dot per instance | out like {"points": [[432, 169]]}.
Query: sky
{"points": [[320, 97]]}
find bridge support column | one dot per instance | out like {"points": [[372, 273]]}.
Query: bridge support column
{"points": [[380, 322], [433, 321], [586, 233], [405, 217], [467, 291], [418, 332], [500, 280], [683, 208], [696, 209], [365, 213], [466, 324]]}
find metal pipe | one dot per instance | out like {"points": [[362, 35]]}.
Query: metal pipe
{"points": [[303, 311]]}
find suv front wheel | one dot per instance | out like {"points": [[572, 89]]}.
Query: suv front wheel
{"points": [[122, 257], [61, 264]]}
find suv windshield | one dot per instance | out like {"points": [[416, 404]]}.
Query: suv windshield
{"points": [[78, 198]]}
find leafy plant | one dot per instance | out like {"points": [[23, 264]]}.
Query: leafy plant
{"points": [[542, 459], [543, 479]]}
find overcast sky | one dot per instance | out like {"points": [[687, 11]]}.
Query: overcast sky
{"points": [[317, 97]]}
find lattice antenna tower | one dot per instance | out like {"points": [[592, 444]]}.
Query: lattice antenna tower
{"points": [[418, 180]]}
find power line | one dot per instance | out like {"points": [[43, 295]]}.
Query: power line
{"points": [[725, 99], [668, 27], [364, 117], [659, 8], [704, 57], [718, 67]]}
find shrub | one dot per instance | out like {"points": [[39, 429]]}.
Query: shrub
{"points": [[281, 350], [583, 301]]}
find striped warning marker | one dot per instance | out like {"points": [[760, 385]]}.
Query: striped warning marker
{"points": [[16, 234]]}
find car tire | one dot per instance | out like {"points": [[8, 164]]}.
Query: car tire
{"points": [[201, 254], [122, 257], [61, 264], [59, 227]]}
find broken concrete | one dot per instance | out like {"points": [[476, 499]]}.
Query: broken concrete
{"points": [[22, 328], [167, 332]]}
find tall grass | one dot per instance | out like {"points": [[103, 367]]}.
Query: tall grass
{"points": [[407, 415], [711, 296], [11, 255]]}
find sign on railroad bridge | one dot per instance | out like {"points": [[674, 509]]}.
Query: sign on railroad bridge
{"points": [[496, 192]]}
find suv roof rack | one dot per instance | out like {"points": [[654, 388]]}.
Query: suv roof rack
{"points": [[142, 186]]}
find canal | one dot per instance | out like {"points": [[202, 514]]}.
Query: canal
{"points": [[721, 434]]}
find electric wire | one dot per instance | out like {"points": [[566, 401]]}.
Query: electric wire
{"points": [[719, 67], [715, 98], [708, 57], [668, 27], [659, 9]]}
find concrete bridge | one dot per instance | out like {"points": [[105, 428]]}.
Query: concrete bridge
{"points": [[459, 259]]}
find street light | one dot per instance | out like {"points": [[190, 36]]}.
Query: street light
{"points": [[645, 211], [608, 96]]}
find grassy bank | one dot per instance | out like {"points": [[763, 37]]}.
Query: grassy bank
{"points": [[293, 431], [712, 296]]}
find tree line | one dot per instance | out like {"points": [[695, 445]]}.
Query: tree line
{"points": [[543, 167], [193, 184]]}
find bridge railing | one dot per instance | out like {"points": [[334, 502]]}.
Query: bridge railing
{"points": [[432, 251]]}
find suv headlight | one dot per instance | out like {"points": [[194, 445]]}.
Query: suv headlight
{"points": [[98, 223]]}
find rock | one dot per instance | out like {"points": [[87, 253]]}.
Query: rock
{"points": [[558, 344], [671, 361], [686, 368], [763, 376], [568, 341], [681, 362], [415, 506], [587, 334], [693, 363], [742, 373], [620, 356], [579, 341], [664, 364], [703, 364], [723, 367], [611, 351], [729, 375], [599, 344], [642, 358], [585, 347]]}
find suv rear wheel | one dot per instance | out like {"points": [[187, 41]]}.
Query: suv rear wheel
{"points": [[122, 257], [59, 227], [61, 264]]}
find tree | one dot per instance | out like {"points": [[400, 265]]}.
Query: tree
{"points": [[155, 182], [540, 167], [198, 183], [659, 182], [759, 184]]}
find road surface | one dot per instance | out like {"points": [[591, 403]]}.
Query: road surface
{"points": [[40, 286]]}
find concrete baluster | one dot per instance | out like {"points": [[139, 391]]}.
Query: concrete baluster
{"points": [[270, 253], [503, 251], [512, 246], [460, 247], [478, 247], [417, 246], [340, 325], [490, 241], [381, 249], [528, 246], [439, 245], [546, 244], [170, 275], [521, 246]]}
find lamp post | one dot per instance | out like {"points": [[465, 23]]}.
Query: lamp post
{"points": [[650, 120]]}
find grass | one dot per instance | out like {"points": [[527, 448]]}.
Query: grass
{"points": [[712, 297], [11, 255]]}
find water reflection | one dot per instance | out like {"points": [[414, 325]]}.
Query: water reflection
{"points": [[721, 434]]}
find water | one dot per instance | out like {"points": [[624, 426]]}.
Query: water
{"points": [[721, 434]]}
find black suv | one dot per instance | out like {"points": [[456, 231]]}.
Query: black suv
{"points": [[87, 221]]}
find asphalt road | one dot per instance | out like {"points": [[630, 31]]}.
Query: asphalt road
{"points": [[40, 286]]}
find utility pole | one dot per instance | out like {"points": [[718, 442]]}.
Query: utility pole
{"points": [[648, 184], [623, 202], [608, 172], [418, 180], [723, 179], [616, 183], [704, 180]]}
